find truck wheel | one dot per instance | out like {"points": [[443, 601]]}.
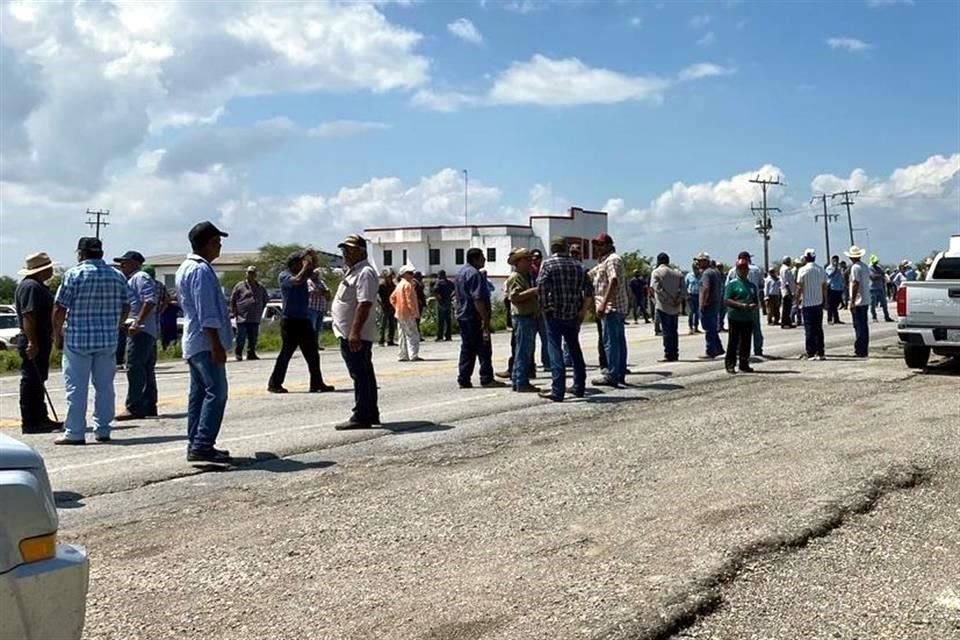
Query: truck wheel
{"points": [[915, 356]]}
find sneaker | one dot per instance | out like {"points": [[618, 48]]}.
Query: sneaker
{"points": [[277, 389], [492, 384], [548, 395], [528, 388], [212, 456], [323, 388], [69, 441], [352, 424]]}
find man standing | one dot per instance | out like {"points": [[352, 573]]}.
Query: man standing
{"points": [[834, 291], [692, 281], [317, 296], [443, 292], [668, 288], [788, 288], [772, 296], [536, 261], [711, 297], [562, 290], [811, 294], [296, 330], [388, 318], [859, 301], [93, 301], [406, 305], [754, 275], [34, 304], [610, 292], [473, 313], [638, 293], [207, 336], [355, 326], [141, 340], [247, 302], [878, 289], [742, 299], [526, 309]]}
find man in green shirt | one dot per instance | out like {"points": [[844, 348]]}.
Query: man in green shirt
{"points": [[742, 299], [526, 309]]}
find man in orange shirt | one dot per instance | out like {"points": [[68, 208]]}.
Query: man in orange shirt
{"points": [[407, 308]]}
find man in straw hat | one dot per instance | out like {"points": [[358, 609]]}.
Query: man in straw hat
{"points": [[859, 300], [526, 309], [34, 304]]}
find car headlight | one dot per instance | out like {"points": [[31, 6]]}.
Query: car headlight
{"points": [[39, 548]]}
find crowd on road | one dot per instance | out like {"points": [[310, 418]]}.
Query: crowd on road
{"points": [[101, 310]]}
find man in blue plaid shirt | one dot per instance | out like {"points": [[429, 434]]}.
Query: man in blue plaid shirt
{"points": [[93, 301], [140, 339]]}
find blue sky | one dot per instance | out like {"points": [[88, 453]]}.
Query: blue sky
{"points": [[307, 120]]}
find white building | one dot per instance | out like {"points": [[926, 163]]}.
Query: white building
{"points": [[232, 262], [444, 247]]}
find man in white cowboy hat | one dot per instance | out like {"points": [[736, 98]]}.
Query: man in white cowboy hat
{"points": [[34, 304], [859, 300]]}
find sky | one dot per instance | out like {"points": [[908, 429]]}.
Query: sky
{"points": [[305, 121]]}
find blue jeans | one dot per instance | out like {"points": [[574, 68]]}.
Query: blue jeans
{"points": [[615, 344], [813, 330], [544, 350], [247, 332], [710, 318], [525, 333], [693, 313], [877, 296], [142, 375], [78, 368], [671, 339], [565, 333], [473, 348], [861, 329], [207, 401], [757, 334], [366, 409]]}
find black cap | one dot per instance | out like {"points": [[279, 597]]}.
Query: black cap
{"points": [[744, 254], [89, 244], [663, 258], [201, 233], [135, 256]]}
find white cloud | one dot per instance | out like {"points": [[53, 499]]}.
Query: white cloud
{"points": [[444, 101], [465, 30], [636, 22], [700, 21], [345, 128], [525, 6], [887, 3], [707, 39], [849, 44], [705, 70]]}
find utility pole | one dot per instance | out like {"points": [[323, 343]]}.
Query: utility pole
{"points": [[97, 220], [827, 217], [847, 202], [466, 191], [764, 224]]}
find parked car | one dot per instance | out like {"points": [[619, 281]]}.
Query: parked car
{"points": [[8, 308], [929, 310], [9, 330], [43, 584]]}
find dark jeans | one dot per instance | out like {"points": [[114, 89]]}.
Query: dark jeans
{"points": [[640, 308], [522, 342], [710, 318], [693, 308], [141, 375], [565, 333], [388, 326], [297, 333], [738, 343], [813, 330], [33, 374], [601, 346], [360, 366], [671, 337], [444, 323], [544, 350], [861, 330], [247, 335], [207, 401], [473, 348], [877, 297], [834, 299], [121, 347], [786, 312]]}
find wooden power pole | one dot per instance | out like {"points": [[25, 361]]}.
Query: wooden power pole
{"points": [[764, 224], [95, 218], [847, 202], [827, 218]]}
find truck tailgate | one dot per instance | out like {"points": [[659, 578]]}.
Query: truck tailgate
{"points": [[933, 303]]}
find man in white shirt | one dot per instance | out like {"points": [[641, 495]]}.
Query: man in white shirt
{"points": [[772, 295], [811, 294], [788, 288], [859, 300]]}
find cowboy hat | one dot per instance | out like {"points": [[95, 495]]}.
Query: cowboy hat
{"points": [[517, 255], [35, 263], [405, 269], [855, 252]]}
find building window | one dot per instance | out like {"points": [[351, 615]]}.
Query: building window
{"points": [[388, 257], [458, 258], [434, 256], [404, 257], [491, 254]]}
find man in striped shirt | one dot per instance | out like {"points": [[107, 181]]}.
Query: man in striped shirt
{"points": [[811, 294]]}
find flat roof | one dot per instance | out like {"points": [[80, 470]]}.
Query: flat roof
{"points": [[567, 216]]}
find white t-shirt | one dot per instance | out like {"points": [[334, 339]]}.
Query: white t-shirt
{"points": [[787, 283], [359, 285], [859, 272], [810, 280]]}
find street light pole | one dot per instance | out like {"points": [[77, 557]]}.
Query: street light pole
{"points": [[466, 192]]}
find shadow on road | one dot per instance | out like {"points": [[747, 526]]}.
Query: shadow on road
{"points": [[415, 426], [947, 367], [126, 442], [266, 461], [767, 372], [604, 399], [659, 386], [68, 499]]}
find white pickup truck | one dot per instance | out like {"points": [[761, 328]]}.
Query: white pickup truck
{"points": [[929, 310]]}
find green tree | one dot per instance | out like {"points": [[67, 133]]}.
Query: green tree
{"points": [[273, 260], [7, 288], [634, 260]]}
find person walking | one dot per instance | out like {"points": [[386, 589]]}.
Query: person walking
{"points": [[93, 302], [859, 300], [406, 305], [247, 301], [564, 290], [668, 287], [355, 326], [742, 298], [711, 298], [692, 282], [526, 309], [388, 318], [834, 291], [788, 288], [296, 330], [473, 314], [755, 275], [811, 294], [34, 305], [611, 302], [878, 288], [443, 293], [317, 296], [772, 296], [141, 339], [638, 297]]}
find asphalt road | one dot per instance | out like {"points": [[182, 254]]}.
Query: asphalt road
{"points": [[812, 499]]}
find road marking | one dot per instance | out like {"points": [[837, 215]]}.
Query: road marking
{"points": [[251, 436]]}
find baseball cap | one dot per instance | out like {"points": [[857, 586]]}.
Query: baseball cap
{"points": [[353, 240], [744, 255], [603, 238], [133, 256], [703, 255], [89, 244], [743, 262], [810, 253], [201, 233], [252, 269]]}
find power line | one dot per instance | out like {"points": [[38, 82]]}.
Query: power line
{"points": [[827, 218], [847, 202], [764, 224], [97, 220]]}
